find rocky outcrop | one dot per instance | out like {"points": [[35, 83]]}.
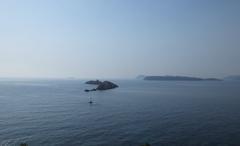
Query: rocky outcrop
{"points": [[87, 90], [96, 82], [106, 85]]}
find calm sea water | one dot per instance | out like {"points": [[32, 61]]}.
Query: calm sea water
{"points": [[57, 113]]}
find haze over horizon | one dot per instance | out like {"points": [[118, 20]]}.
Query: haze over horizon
{"points": [[119, 39]]}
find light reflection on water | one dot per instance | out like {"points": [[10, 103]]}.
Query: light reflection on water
{"points": [[56, 112]]}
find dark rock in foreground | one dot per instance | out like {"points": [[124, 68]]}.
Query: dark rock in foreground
{"points": [[97, 82], [106, 85]]}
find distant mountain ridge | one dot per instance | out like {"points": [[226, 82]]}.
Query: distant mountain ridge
{"points": [[178, 78]]}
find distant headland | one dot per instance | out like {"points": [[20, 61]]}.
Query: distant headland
{"points": [[175, 78]]}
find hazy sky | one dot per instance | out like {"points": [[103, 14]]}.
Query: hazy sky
{"points": [[119, 38]]}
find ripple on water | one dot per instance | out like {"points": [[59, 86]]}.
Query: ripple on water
{"points": [[15, 141]]}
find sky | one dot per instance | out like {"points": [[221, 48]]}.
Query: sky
{"points": [[119, 38]]}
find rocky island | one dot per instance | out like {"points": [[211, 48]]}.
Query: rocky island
{"points": [[96, 82], [105, 85]]}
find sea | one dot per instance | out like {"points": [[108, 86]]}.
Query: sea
{"points": [[56, 112]]}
